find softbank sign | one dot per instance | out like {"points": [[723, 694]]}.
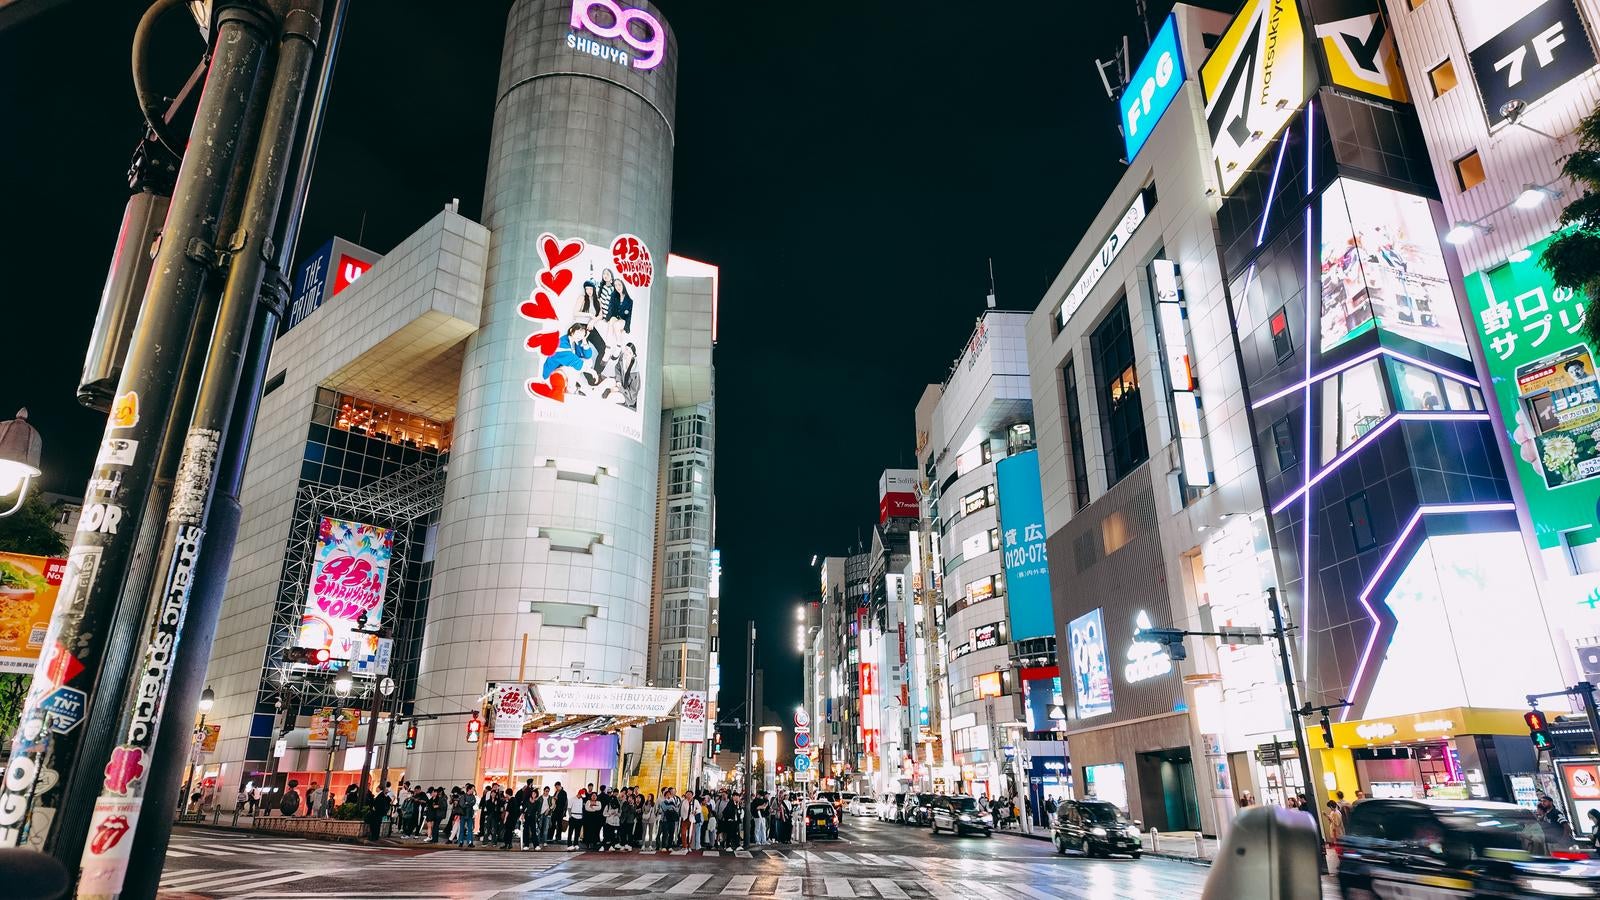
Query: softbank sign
{"points": [[646, 40], [1154, 85]]}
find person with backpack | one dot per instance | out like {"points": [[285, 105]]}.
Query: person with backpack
{"points": [[290, 804], [466, 803]]}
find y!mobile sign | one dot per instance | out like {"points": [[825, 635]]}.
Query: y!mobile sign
{"points": [[1154, 86], [348, 575]]}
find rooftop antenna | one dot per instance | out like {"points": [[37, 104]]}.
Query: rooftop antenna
{"points": [[1144, 20], [1118, 63], [991, 282]]}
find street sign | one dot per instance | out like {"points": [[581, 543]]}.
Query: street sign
{"points": [[386, 686], [802, 719], [64, 707], [802, 739], [802, 763]]}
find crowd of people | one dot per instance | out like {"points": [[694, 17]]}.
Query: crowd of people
{"points": [[603, 819]]}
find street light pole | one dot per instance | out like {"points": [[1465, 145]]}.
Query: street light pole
{"points": [[1294, 707], [749, 732], [341, 687], [197, 741]]}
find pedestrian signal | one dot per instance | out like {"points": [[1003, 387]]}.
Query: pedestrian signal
{"points": [[473, 728], [1537, 729], [411, 737]]}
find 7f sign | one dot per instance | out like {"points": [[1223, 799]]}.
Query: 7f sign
{"points": [[1543, 47]]}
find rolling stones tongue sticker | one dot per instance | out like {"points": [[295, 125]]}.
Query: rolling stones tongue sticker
{"points": [[105, 857]]}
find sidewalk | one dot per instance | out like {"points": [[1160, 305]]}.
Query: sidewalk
{"points": [[1177, 845]]}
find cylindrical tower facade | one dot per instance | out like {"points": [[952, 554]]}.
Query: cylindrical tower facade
{"points": [[548, 524]]}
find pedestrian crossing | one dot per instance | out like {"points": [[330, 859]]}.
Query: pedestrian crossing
{"points": [[444, 864], [1107, 884], [191, 846]]}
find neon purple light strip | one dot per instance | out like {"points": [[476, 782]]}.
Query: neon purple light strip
{"points": [[1272, 191], [1311, 113], [1358, 360], [1305, 416], [1368, 438], [1388, 559]]}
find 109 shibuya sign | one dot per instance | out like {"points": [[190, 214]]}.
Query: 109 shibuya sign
{"points": [[640, 31]]}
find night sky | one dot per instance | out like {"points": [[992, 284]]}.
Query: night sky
{"points": [[851, 166]]}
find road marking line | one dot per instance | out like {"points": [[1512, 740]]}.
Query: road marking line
{"points": [[293, 876], [211, 882], [740, 885], [711, 852], [872, 859], [177, 853], [1034, 892], [840, 857], [983, 889], [680, 853], [887, 889], [789, 885], [542, 883], [838, 887], [642, 882], [192, 848], [743, 854], [591, 881], [689, 885]]}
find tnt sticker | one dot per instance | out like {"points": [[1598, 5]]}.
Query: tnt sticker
{"points": [[125, 410]]}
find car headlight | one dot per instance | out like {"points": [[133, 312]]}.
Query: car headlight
{"points": [[1097, 831], [1557, 888]]}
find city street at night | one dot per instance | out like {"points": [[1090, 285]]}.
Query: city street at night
{"points": [[872, 859]]}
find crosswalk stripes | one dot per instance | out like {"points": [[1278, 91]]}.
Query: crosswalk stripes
{"points": [[223, 881], [855, 888]]}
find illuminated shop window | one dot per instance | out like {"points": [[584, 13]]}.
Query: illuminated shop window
{"points": [[1442, 77], [987, 685], [1416, 388], [1353, 403], [972, 459], [1469, 171], [1383, 268], [384, 422]]}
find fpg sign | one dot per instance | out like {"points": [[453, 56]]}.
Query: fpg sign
{"points": [[608, 19]]}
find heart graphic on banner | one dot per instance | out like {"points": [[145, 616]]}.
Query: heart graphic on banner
{"points": [[556, 281], [545, 343], [555, 254], [539, 307], [556, 390]]}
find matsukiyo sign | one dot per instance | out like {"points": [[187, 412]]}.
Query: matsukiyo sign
{"points": [[1254, 81], [602, 700]]}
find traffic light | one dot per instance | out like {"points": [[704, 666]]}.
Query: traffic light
{"points": [[411, 737], [473, 728], [1327, 731], [306, 656], [1537, 729]]}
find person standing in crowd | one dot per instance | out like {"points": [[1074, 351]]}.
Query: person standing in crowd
{"points": [[438, 812], [593, 817], [558, 816], [539, 824], [667, 822], [491, 810], [466, 804], [781, 818], [376, 810], [610, 819], [758, 815], [627, 819], [290, 804], [709, 835], [515, 813], [575, 818], [408, 814], [1332, 824], [689, 811]]}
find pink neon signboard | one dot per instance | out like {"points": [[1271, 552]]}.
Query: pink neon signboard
{"points": [[617, 21]]}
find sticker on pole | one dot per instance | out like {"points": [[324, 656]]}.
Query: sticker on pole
{"points": [[65, 708]]}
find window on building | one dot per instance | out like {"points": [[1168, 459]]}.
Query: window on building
{"points": [[987, 685], [1019, 438], [1442, 77], [1415, 3], [687, 476], [1121, 413], [1283, 442], [1469, 171], [1080, 466], [1282, 344], [689, 432], [688, 520], [1353, 403], [977, 500], [1361, 521]]}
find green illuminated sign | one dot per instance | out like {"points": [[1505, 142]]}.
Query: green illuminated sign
{"points": [[1544, 379]]}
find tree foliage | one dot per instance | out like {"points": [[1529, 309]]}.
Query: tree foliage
{"points": [[1573, 258], [31, 530]]}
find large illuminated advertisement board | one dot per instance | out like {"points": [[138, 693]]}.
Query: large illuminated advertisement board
{"points": [[1382, 267], [1254, 80], [1022, 538], [349, 572], [589, 310], [1091, 673], [1358, 47], [1154, 86], [1543, 375]]}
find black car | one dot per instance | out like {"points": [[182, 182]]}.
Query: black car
{"points": [[1095, 827], [822, 819], [1470, 847], [916, 808], [958, 814]]}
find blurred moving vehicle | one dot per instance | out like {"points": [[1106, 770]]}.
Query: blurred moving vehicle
{"points": [[862, 805], [822, 819], [1454, 848], [892, 807], [958, 814], [915, 809], [1095, 827]]}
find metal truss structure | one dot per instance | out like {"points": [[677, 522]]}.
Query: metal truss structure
{"points": [[396, 501]]}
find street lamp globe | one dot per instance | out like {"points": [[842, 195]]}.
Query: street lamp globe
{"points": [[20, 448], [342, 685], [207, 700]]}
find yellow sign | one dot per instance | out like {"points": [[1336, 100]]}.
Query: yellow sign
{"points": [[28, 588], [208, 741], [1254, 80], [1359, 48], [323, 720], [1436, 725]]}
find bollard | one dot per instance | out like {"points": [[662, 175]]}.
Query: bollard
{"points": [[1199, 845], [1155, 840]]}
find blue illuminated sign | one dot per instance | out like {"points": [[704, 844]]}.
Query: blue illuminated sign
{"points": [[1154, 86], [1022, 539]]}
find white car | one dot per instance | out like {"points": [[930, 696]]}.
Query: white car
{"points": [[861, 806]]}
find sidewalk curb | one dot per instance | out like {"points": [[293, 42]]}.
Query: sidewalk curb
{"points": [[1153, 854]]}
